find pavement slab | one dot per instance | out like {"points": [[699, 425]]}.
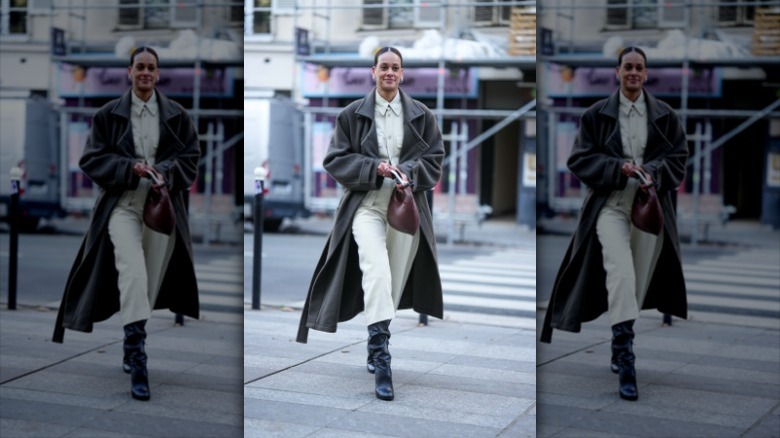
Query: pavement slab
{"points": [[450, 379]]}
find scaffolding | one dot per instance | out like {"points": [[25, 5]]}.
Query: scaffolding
{"points": [[325, 56], [568, 55], [213, 212]]}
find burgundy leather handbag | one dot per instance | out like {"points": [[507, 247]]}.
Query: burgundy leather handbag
{"points": [[158, 209], [646, 211], [402, 211]]}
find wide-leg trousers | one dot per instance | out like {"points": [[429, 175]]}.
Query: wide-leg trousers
{"points": [[142, 255], [630, 255], [385, 255]]}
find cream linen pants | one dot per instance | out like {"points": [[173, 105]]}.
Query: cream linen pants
{"points": [[630, 255], [385, 255], [141, 254]]}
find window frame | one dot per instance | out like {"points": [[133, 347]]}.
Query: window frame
{"points": [[661, 22], [173, 21], [496, 14], [741, 16], [5, 21], [418, 20], [249, 21]]}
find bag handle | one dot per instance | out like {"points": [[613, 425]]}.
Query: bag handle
{"points": [[399, 180], [153, 175], [641, 176]]}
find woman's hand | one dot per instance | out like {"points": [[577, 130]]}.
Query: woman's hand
{"points": [[140, 168], [384, 169], [628, 169]]}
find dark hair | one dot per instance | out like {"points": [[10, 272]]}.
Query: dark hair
{"points": [[385, 50], [141, 49], [630, 49]]}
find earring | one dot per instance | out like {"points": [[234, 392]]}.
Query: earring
{"points": [[402, 79]]}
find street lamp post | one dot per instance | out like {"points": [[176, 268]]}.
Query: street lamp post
{"points": [[257, 256], [13, 250]]}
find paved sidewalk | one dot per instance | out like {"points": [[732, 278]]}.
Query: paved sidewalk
{"points": [[450, 379], [695, 380], [78, 389]]}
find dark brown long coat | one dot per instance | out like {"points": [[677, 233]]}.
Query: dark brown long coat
{"points": [[91, 292], [336, 293], [580, 292]]}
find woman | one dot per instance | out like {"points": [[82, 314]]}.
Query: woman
{"points": [[366, 264], [610, 265], [122, 265]]}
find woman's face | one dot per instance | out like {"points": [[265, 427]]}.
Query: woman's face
{"points": [[387, 72], [632, 72], [143, 72]]}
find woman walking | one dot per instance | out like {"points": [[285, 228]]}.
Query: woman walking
{"points": [[123, 265], [366, 264], [610, 265]]}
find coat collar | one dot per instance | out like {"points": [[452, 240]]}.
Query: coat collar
{"points": [[124, 105], [654, 110], [411, 111]]}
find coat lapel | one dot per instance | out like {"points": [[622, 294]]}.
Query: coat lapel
{"points": [[611, 109], [657, 143], [122, 110], [369, 143], [169, 143], [413, 144]]}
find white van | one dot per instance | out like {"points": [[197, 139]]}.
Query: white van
{"points": [[29, 139], [273, 139]]}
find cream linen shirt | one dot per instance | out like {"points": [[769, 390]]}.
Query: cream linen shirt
{"points": [[389, 121], [145, 120], [633, 127], [632, 117]]}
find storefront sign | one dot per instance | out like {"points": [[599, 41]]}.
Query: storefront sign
{"points": [[562, 81], [356, 82], [75, 81]]}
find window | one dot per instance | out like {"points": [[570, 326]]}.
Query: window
{"points": [[14, 17], [738, 14], [400, 14], [645, 14], [157, 14], [258, 18], [491, 14]]}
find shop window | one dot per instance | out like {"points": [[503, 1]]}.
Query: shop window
{"points": [[157, 14], [488, 13], [645, 14], [400, 14], [737, 12]]}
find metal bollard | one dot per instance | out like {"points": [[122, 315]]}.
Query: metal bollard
{"points": [[13, 250], [257, 255]]}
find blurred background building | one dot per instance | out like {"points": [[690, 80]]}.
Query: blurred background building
{"points": [[471, 61], [716, 62], [61, 60]]}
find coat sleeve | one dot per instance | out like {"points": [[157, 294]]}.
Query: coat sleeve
{"points": [[425, 170], [353, 170], [589, 160], [102, 162], [181, 169], [668, 170]]}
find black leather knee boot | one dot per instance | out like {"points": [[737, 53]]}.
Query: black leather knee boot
{"points": [[370, 360], [135, 354], [623, 350], [378, 344]]}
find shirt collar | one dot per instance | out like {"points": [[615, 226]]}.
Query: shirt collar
{"points": [[395, 104], [626, 104], [138, 104]]}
